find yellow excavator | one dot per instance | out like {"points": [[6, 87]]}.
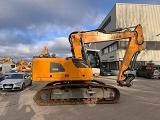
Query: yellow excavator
{"points": [[23, 65], [6, 60], [71, 79], [44, 52]]}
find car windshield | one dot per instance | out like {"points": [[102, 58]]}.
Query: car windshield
{"points": [[14, 76]]}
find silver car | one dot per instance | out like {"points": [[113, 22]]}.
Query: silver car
{"points": [[16, 81]]}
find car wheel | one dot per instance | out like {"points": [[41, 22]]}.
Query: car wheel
{"points": [[148, 76], [23, 86], [137, 74], [30, 84]]}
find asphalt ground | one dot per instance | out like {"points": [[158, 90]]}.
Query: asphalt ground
{"points": [[138, 102]]}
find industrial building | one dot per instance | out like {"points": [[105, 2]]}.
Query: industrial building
{"points": [[126, 15]]}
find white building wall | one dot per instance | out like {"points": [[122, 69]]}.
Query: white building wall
{"points": [[132, 14], [147, 15], [127, 15]]}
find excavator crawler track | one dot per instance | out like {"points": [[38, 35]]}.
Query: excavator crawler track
{"points": [[69, 93]]}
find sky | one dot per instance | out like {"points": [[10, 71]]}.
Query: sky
{"points": [[26, 26]]}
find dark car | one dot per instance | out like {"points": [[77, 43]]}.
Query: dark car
{"points": [[106, 72], [148, 71], [2, 76]]}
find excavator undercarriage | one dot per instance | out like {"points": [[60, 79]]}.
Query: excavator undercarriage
{"points": [[67, 93]]}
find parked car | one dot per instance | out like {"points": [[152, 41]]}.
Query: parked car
{"points": [[148, 71], [16, 81], [106, 72], [2, 76]]}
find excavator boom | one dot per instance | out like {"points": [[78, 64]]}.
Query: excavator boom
{"points": [[135, 45]]}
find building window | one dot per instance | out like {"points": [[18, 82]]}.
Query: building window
{"points": [[123, 44], [115, 46], [106, 50], [110, 48], [152, 45], [113, 65]]}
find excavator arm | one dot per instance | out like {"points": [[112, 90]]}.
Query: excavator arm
{"points": [[78, 39]]}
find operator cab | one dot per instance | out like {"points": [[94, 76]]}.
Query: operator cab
{"points": [[94, 61]]}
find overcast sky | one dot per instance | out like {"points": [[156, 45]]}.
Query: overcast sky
{"points": [[27, 25]]}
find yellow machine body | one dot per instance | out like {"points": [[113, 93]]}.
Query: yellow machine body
{"points": [[60, 69]]}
